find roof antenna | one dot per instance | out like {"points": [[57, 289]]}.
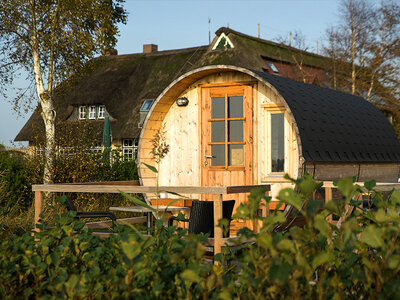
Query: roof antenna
{"points": [[258, 25], [209, 31], [317, 47], [227, 26]]}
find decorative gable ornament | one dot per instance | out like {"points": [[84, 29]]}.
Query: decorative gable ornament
{"points": [[223, 42]]}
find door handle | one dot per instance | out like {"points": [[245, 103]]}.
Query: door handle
{"points": [[207, 156]]}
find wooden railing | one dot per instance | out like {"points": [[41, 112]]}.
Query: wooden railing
{"points": [[133, 188]]}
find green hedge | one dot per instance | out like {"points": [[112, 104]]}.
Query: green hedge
{"points": [[18, 173], [15, 185], [361, 259]]}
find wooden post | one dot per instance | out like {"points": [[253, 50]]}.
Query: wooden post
{"points": [[268, 210], [328, 197], [265, 211], [38, 208], [217, 229]]}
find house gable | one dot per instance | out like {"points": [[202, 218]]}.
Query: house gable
{"points": [[223, 42]]}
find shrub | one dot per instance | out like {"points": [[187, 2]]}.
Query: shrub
{"points": [[58, 263], [360, 259], [17, 174], [15, 187], [83, 165]]}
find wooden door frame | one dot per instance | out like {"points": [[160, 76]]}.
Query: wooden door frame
{"points": [[249, 98]]}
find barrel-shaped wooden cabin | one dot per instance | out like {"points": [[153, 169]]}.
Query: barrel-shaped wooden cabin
{"points": [[246, 127]]}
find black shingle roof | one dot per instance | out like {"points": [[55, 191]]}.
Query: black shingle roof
{"points": [[336, 126]]}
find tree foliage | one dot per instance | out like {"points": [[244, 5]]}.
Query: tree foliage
{"points": [[365, 47], [68, 33], [51, 40]]}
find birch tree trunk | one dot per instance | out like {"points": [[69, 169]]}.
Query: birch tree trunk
{"points": [[45, 98], [49, 116]]}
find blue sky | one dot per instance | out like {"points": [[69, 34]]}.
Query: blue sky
{"points": [[184, 23]]}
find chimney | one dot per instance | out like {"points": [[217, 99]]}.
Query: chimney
{"points": [[109, 52], [150, 48]]}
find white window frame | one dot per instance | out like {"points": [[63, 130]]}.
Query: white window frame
{"points": [[128, 154], [129, 148], [101, 112], [268, 146], [82, 112], [92, 112]]}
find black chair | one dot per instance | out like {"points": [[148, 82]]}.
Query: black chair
{"points": [[201, 218], [89, 214]]}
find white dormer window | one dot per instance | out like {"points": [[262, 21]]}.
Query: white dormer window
{"points": [[82, 112], [92, 112], [102, 112], [147, 105], [273, 67], [223, 42]]}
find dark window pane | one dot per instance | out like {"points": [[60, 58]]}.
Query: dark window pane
{"points": [[146, 105], [235, 131], [277, 142], [235, 107], [218, 151], [273, 67], [236, 155], [217, 107], [217, 131]]}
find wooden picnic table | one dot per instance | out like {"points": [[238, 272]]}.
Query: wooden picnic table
{"points": [[147, 211], [134, 188]]}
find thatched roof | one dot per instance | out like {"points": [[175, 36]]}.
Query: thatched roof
{"points": [[123, 82]]}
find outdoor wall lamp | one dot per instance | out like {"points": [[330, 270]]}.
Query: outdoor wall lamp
{"points": [[182, 101]]}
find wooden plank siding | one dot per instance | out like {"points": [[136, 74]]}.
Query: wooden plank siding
{"points": [[182, 166]]}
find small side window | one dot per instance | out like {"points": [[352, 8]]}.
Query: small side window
{"points": [[82, 112], [277, 142], [92, 112], [146, 105], [273, 67], [129, 148], [101, 114], [144, 110]]}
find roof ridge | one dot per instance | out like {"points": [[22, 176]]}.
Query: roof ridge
{"points": [[158, 53], [281, 45]]}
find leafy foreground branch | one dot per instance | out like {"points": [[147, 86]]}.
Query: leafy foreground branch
{"points": [[361, 259]]}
